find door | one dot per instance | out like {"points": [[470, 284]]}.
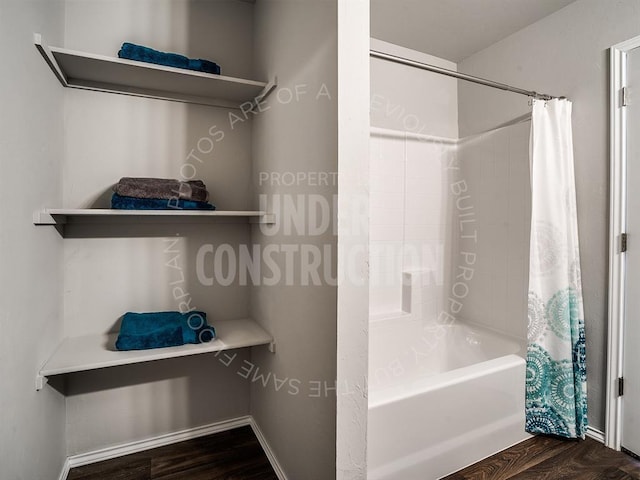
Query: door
{"points": [[631, 327]]}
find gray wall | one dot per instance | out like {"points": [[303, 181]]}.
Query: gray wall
{"points": [[297, 41], [133, 267], [31, 148], [565, 54]]}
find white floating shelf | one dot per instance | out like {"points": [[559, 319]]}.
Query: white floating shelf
{"points": [[116, 75], [91, 352], [62, 216]]}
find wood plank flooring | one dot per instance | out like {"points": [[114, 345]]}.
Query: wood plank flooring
{"points": [[548, 458], [237, 455], [232, 455]]}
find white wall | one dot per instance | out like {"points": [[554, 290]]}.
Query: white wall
{"points": [[31, 149], [566, 54], [411, 169], [353, 290], [111, 269], [494, 167], [411, 219], [403, 98], [297, 41]]}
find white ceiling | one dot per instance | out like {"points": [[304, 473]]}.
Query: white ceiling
{"points": [[454, 29]]}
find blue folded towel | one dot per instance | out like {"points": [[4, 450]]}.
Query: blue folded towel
{"points": [[143, 331], [132, 51], [119, 202]]}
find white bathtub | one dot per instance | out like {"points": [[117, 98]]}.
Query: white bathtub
{"points": [[440, 398]]}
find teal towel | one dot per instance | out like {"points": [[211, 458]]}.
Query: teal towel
{"points": [[142, 331], [118, 202], [131, 51]]}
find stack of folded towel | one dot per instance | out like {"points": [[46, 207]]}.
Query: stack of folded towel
{"points": [[131, 51], [160, 194], [142, 331]]}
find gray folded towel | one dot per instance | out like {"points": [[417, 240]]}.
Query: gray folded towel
{"points": [[162, 188]]}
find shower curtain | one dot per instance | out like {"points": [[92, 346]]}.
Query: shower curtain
{"points": [[556, 385]]}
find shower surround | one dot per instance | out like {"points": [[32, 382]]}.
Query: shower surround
{"points": [[456, 212], [448, 274]]}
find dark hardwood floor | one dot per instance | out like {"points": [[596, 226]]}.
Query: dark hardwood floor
{"points": [[237, 455], [547, 458], [232, 455]]}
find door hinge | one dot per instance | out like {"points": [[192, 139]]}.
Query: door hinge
{"points": [[620, 386], [624, 240], [624, 96]]}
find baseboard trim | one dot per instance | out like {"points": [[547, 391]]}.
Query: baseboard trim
{"points": [[170, 438], [182, 435], [595, 434], [65, 470], [267, 450], [154, 442]]}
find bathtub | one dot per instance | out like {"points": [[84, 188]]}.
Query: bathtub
{"points": [[440, 397]]}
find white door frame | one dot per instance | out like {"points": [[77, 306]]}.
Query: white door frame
{"points": [[617, 226]]}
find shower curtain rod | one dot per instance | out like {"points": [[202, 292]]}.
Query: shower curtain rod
{"points": [[461, 76]]}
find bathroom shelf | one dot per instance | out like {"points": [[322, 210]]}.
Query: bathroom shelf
{"points": [[91, 352], [116, 75], [62, 216]]}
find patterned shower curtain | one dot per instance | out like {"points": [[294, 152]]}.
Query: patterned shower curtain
{"points": [[556, 386]]}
